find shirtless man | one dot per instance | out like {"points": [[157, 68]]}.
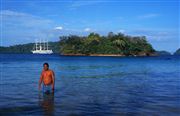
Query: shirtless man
{"points": [[47, 77]]}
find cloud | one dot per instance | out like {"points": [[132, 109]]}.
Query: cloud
{"points": [[19, 27], [121, 31], [87, 29], [157, 35], [58, 28], [147, 16], [12, 13], [161, 39], [24, 19], [80, 3]]}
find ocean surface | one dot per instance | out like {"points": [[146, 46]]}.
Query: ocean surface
{"points": [[91, 86]]}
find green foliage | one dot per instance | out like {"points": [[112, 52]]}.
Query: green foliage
{"points": [[110, 44]]}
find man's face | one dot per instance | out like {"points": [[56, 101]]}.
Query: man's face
{"points": [[46, 67]]}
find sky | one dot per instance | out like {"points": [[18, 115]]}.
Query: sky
{"points": [[24, 21]]}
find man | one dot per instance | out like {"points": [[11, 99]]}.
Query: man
{"points": [[48, 79]]}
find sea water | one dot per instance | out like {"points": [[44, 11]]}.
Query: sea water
{"points": [[89, 85]]}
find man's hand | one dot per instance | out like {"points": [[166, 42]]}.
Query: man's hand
{"points": [[40, 80], [53, 81], [52, 88]]}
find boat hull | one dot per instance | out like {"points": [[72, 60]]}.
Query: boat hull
{"points": [[42, 51]]}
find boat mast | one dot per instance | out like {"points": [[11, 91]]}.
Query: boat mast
{"points": [[44, 45], [47, 45], [40, 45], [36, 45]]}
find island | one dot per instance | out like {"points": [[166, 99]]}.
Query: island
{"points": [[93, 45], [177, 52], [110, 45]]}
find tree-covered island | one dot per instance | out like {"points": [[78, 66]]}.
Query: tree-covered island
{"points": [[110, 45]]}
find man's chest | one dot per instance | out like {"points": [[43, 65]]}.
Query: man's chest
{"points": [[47, 74]]}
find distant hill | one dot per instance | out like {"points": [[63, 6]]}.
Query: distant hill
{"points": [[26, 48], [177, 52], [163, 53]]}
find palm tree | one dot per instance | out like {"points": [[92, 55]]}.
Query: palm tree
{"points": [[120, 44]]}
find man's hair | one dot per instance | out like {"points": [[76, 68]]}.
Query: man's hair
{"points": [[46, 64]]}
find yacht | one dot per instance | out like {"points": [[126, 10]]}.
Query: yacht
{"points": [[41, 48]]}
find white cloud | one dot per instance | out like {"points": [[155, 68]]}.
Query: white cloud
{"points": [[20, 27], [147, 16], [24, 20], [87, 29], [11, 13], [157, 35], [58, 28], [121, 30], [76, 4]]}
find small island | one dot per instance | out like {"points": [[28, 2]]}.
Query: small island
{"points": [[163, 53], [110, 45], [177, 52]]}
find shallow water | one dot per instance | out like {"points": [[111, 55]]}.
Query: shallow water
{"points": [[91, 85]]}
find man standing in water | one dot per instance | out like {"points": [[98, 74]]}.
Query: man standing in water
{"points": [[48, 79]]}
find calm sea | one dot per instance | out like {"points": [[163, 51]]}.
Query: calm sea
{"points": [[91, 86]]}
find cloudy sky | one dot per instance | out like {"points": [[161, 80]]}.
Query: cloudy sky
{"points": [[23, 21]]}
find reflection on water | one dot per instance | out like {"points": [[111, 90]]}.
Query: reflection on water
{"points": [[46, 102]]}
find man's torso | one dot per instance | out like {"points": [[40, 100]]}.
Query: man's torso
{"points": [[47, 77]]}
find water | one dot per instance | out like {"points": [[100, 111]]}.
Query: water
{"points": [[91, 86]]}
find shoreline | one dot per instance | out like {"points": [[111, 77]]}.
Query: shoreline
{"points": [[114, 55]]}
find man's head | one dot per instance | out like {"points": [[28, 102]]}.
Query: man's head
{"points": [[46, 66]]}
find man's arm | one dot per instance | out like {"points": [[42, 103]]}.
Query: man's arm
{"points": [[53, 80], [40, 80]]}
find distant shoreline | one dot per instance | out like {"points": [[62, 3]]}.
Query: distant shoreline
{"points": [[114, 55], [94, 55]]}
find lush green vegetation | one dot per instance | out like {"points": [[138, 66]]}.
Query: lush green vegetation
{"points": [[177, 52], [26, 48], [111, 44]]}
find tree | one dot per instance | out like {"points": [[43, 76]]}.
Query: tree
{"points": [[93, 37], [110, 35]]}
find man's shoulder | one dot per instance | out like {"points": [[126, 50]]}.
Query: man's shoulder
{"points": [[51, 71]]}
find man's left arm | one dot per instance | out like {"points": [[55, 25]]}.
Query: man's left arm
{"points": [[53, 80]]}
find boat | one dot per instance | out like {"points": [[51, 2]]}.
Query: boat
{"points": [[41, 48]]}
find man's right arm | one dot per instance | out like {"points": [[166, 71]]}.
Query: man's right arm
{"points": [[40, 80]]}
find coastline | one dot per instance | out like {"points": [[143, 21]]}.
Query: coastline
{"points": [[114, 55]]}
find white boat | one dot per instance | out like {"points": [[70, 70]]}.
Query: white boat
{"points": [[41, 48]]}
